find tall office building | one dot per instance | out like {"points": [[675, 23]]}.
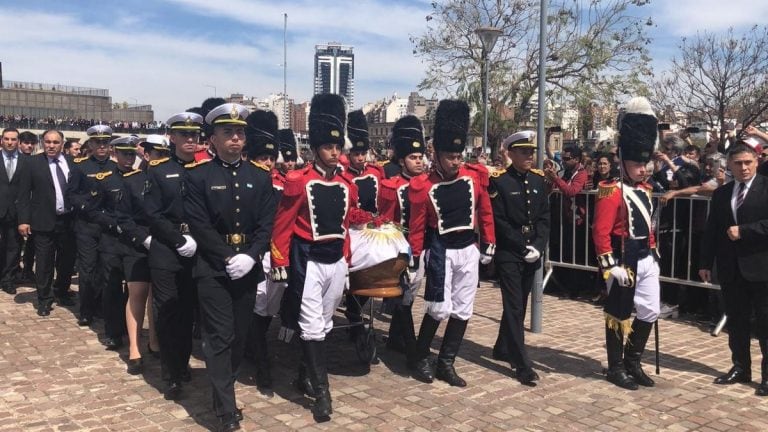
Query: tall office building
{"points": [[335, 71]]}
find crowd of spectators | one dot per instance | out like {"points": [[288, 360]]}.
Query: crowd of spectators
{"points": [[70, 124]]}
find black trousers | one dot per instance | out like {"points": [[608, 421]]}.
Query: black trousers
{"points": [[741, 298], [54, 252], [173, 298], [516, 280], [114, 296], [10, 246], [226, 310], [89, 278], [28, 255]]}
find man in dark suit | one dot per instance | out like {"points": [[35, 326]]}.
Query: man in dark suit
{"points": [[12, 167], [737, 235], [44, 209]]}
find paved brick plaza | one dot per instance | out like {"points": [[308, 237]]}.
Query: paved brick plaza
{"points": [[58, 377]]}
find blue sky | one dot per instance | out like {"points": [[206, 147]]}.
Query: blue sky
{"points": [[169, 53]]}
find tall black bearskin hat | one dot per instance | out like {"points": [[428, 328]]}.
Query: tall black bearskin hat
{"points": [[638, 130], [451, 126], [205, 108], [287, 144], [327, 118], [407, 136], [261, 134], [357, 131]]}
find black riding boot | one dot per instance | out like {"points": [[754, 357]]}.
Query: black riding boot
{"points": [[261, 355], [395, 341], [314, 353], [633, 351], [454, 334], [616, 372], [418, 358]]}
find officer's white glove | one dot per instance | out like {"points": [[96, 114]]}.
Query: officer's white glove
{"points": [[239, 266], [188, 248], [280, 274], [147, 241], [620, 275], [533, 255], [485, 259]]}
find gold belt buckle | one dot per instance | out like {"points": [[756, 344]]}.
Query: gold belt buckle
{"points": [[235, 239]]}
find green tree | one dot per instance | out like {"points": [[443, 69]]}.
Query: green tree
{"points": [[594, 48]]}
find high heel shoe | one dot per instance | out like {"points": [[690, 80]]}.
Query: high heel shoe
{"points": [[135, 366]]}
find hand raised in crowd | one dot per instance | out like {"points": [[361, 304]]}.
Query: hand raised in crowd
{"points": [[550, 173], [733, 233], [705, 275]]}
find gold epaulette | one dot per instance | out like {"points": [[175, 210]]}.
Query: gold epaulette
{"points": [[132, 173], [157, 162], [606, 188], [103, 175], [80, 159], [196, 163], [260, 165], [497, 172], [537, 171]]}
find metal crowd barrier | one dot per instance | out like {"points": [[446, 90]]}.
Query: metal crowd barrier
{"points": [[678, 227]]}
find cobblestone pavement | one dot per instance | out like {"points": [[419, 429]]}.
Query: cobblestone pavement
{"points": [[57, 376]]}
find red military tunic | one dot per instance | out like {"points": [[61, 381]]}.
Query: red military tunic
{"points": [[393, 198], [314, 209], [439, 204], [368, 182]]}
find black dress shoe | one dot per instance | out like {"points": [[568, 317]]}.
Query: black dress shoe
{"points": [[735, 375], [229, 423], [10, 289], [44, 310], [527, 376], [135, 366], [762, 389], [84, 321], [113, 344], [173, 391], [620, 378]]}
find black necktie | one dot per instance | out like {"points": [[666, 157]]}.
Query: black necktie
{"points": [[62, 179], [742, 194]]}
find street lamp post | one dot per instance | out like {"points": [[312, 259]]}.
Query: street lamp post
{"points": [[488, 36], [211, 86]]}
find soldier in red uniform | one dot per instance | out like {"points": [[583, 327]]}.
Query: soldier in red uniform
{"points": [[367, 177], [310, 245], [446, 208], [288, 158], [626, 249], [409, 146], [263, 148]]}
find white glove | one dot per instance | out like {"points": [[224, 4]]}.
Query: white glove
{"points": [[188, 248], [620, 274], [147, 241], [533, 255], [280, 274], [485, 259], [239, 266]]}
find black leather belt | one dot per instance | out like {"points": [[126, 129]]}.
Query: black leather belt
{"points": [[235, 239]]}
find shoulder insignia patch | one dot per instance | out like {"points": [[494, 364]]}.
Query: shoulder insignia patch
{"points": [[132, 173], [498, 173], [103, 175], [157, 162], [606, 189], [196, 163], [260, 165], [81, 159], [537, 171]]}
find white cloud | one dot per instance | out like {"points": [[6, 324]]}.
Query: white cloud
{"points": [[169, 71], [686, 17]]}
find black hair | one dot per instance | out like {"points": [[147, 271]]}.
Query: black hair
{"points": [[687, 175], [740, 147], [10, 129], [575, 151], [28, 137]]}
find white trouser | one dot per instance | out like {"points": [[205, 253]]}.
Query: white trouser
{"points": [[647, 292], [269, 294], [461, 277], [412, 286], [323, 288]]}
